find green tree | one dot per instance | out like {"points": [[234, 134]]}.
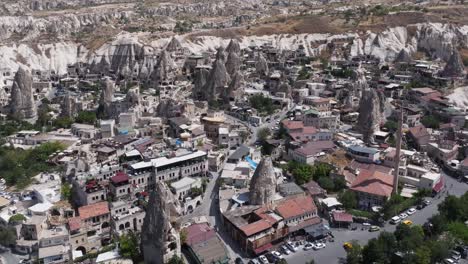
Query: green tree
{"points": [[86, 117], [7, 236], [176, 260], [129, 246], [282, 261], [183, 236], [326, 183], [348, 199], [354, 254], [302, 173], [340, 183], [303, 74], [66, 191], [63, 122], [430, 121], [262, 104], [379, 250], [263, 133], [391, 125], [17, 219], [422, 255]]}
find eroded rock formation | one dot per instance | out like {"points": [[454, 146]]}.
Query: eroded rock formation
{"points": [[370, 113], [454, 66], [156, 226], [263, 184], [22, 104], [262, 65]]}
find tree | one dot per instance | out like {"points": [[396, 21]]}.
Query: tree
{"points": [[303, 74], [354, 254], [129, 246], [176, 260], [348, 199], [66, 191], [302, 173], [391, 125], [340, 183], [183, 236], [17, 219], [326, 183], [263, 133], [422, 255], [86, 117], [430, 121], [262, 103], [63, 122], [282, 261], [7, 236]]}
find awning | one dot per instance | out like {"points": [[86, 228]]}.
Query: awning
{"points": [[317, 231], [263, 248]]}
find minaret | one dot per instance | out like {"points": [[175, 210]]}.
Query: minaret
{"points": [[398, 150]]}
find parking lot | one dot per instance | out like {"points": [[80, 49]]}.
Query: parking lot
{"points": [[334, 252]]}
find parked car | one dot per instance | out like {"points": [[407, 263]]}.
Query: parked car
{"points": [[263, 259], [408, 222], [277, 254], [411, 211], [347, 245], [463, 250], [318, 246], [254, 261], [456, 255], [291, 246], [403, 215], [421, 206], [239, 261], [308, 246], [449, 261], [427, 202], [395, 220], [270, 257], [285, 250], [374, 228]]}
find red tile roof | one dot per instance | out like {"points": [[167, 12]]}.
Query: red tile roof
{"points": [[119, 177], [289, 124], [342, 217], [198, 233], [93, 210], [294, 207], [255, 227], [374, 182], [74, 223]]}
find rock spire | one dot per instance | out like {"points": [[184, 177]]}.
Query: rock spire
{"points": [[454, 66], [370, 113], [156, 226], [263, 184], [22, 102]]}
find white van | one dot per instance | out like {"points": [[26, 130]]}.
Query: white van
{"points": [[395, 220]]}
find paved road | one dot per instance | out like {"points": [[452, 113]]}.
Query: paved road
{"points": [[334, 252], [9, 258]]}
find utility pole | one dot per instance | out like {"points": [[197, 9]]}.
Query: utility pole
{"points": [[398, 150]]}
